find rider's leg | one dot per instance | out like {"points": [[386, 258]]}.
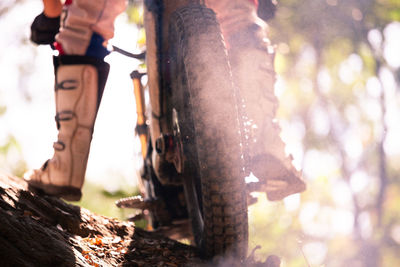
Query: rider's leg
{"points": [[252, 57], [80, 75]]}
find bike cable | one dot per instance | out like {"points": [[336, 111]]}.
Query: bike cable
{"points": [[113, 48]]}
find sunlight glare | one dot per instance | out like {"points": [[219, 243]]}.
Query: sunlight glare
{"points": [[319, 164], [391, 50], [358, 181], [292, 202], [341, 194], [315, 252], [365, 222], [374, 88], [375, 39], [350, 68], [395, 233]]}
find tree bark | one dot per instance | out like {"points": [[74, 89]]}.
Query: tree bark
{"points": [[45, 231]]}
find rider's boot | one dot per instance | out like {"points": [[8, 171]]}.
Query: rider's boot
{"points": [[252, 62], [79, 85], [252, 59]]}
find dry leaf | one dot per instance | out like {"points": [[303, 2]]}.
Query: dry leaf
{"points": [[96, 241]]}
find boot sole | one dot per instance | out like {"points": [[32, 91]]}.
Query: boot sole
{"points": [[68, 193], [274, 172]]}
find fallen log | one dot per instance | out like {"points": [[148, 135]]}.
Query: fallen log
{"points": [[42, 230]]}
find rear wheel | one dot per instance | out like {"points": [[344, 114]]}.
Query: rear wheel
{"points": [[205, 110]]}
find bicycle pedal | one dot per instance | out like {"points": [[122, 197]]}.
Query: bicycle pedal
{"points": [[135, 202]]}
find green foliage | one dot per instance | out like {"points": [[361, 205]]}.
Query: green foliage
{"points": [[11, 159], [384, 12], [135, 13]]}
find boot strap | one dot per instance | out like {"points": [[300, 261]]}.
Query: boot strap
{"points": [[66, 85], [65, 115], [59, 145]]}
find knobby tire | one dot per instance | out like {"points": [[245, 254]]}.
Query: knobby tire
{"points": [[203, 94]]}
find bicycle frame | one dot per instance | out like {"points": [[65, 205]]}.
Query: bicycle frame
{"points": [[156, 17]]}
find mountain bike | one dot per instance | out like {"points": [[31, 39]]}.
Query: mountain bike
{"points": [[193, 176]]}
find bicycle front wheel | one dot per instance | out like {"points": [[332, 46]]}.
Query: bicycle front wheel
{"points": [[205, 108]]}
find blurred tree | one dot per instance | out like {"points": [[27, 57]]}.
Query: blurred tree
{"points": [[333, 58]]}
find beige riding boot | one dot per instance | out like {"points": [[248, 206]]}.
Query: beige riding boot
{"points": [[252, 63], [78, 89]]}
